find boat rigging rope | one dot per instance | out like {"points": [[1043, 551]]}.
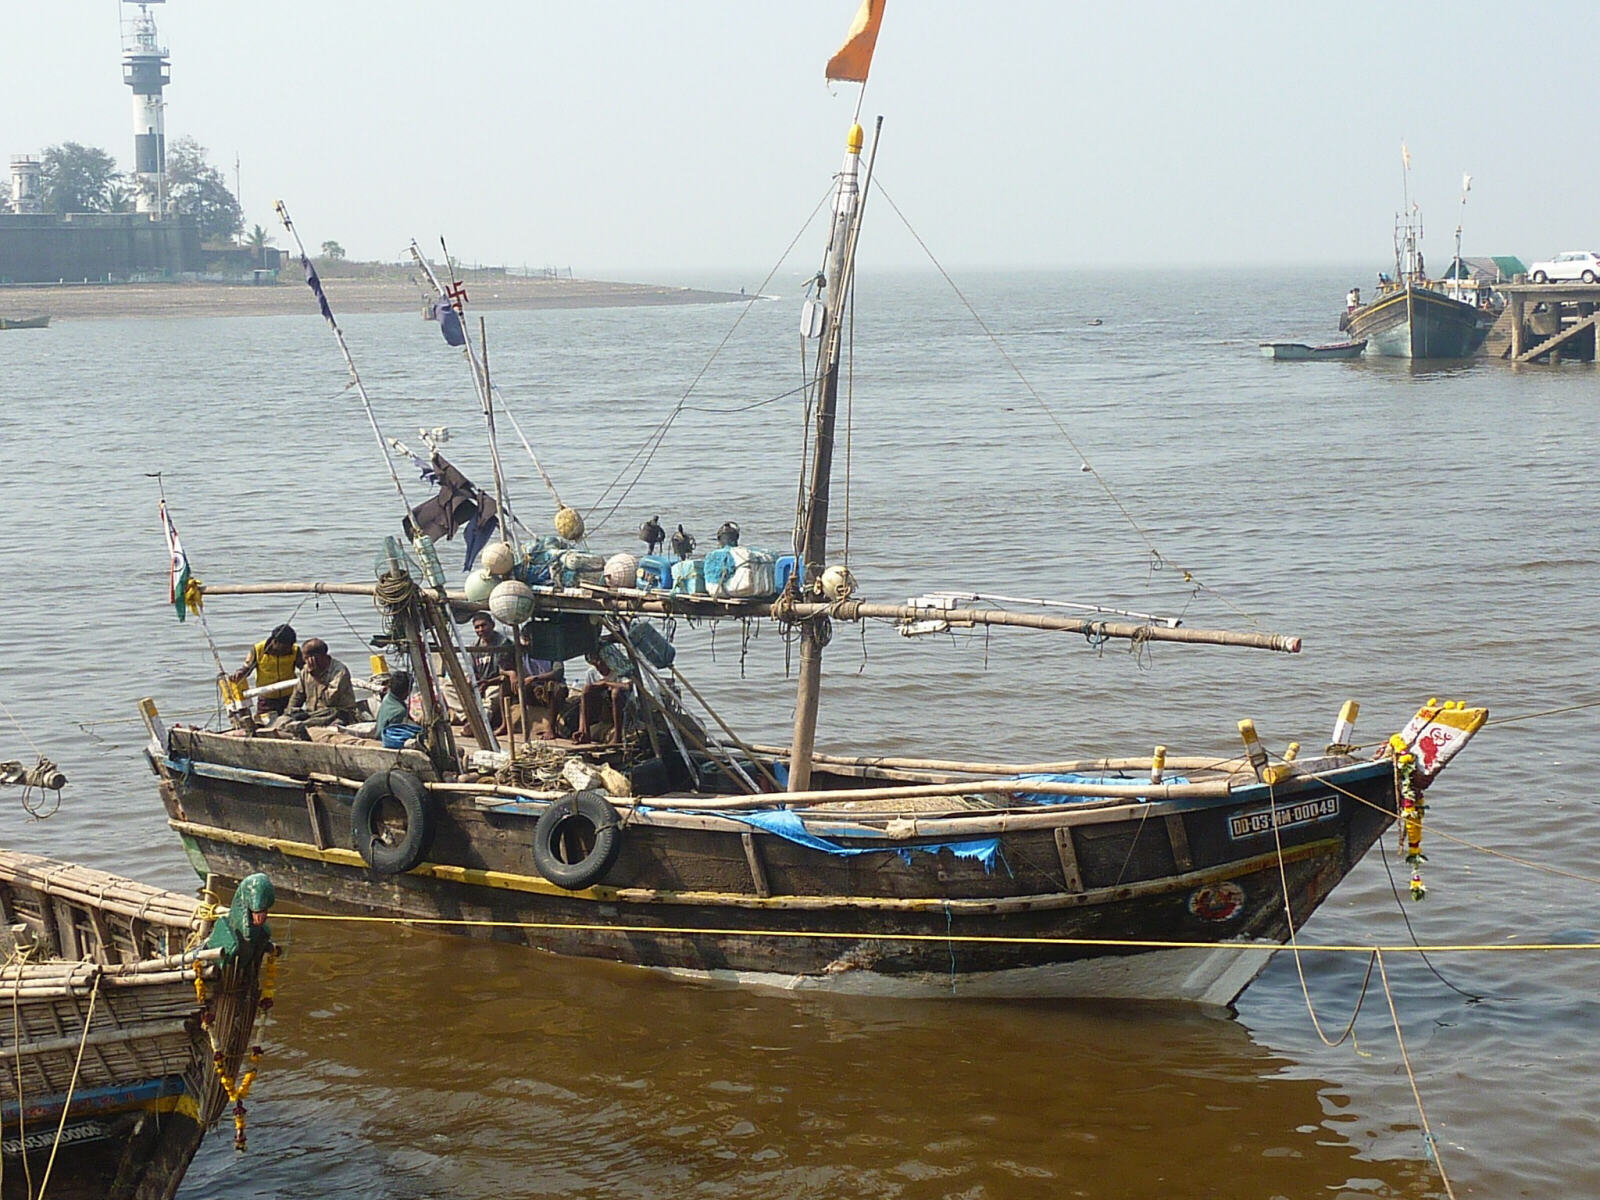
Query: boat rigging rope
{"points": [[653, 440], [1427, 1130], [1157, 558], [1394, 887], [72, 1085]]}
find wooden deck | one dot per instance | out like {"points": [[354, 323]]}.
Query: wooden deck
{"points": [[1549, 321]]}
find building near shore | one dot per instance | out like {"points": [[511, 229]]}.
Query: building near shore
{"points": [[96, 247]]}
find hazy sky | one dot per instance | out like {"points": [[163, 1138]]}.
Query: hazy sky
{"points": [[631, 137]]}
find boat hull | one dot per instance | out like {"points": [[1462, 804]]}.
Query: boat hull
{"points": [[38, 322], [1097, 900], [1300, 352], [110, 1076], [1417, 322]]}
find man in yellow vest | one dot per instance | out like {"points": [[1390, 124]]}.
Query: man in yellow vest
{"points": [[274, 660]]}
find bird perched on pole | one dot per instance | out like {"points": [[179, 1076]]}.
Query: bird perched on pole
{"points": [[682, 544], [652, 535]]}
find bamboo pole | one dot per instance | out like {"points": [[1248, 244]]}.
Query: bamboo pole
{"points": [[678, 605], [1084, 765]]}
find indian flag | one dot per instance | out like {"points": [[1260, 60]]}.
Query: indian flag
{"points": [[178, 578]]}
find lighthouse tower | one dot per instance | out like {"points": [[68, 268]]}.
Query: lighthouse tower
{"points": [[146, 69]]}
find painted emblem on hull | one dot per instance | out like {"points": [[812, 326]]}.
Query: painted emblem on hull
{"points": [[1217, 901]]}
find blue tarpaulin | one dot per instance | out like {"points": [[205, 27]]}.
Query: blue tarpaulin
{"points": [[1074, 777], [787, 824]]}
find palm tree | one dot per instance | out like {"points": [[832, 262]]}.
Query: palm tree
{"points": [[258, 241]]}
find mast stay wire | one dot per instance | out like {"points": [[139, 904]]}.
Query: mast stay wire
{"points": [[1156, 556], [315, 284], [654, 439]]}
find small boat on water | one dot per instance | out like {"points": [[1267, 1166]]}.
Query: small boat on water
{"points": [[126, 1022], [35, 321], [650, 831], [1300, 352]]}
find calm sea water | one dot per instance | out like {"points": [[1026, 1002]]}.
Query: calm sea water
{"points": [[1428, 532]]}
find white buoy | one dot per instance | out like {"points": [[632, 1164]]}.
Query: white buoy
{"points": [[478, 585], [498, 559], [511, 602], [622, 570], [838, 583]]}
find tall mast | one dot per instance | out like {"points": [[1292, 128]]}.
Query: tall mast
{"points": [[813, 543]]}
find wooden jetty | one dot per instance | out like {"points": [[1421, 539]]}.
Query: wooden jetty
{"points": [[1549, 321]]}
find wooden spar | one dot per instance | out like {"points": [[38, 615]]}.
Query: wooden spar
{"points": [[813, 548], [1132, 790], [465, 688], [666, 604], [1081, 765]]}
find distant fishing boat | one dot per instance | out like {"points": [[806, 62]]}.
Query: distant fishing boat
{"points": [[126, 1022], [34, 321], [1413, 316], [1300, 352]]}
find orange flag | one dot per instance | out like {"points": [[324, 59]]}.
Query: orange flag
{"points": [[855, 56]]}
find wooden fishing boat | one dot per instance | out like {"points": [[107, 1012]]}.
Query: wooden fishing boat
{"points": [[1300, 352], [1416, 319], [1413, 316], [661, 837], [126, 1018], [34, 321]]}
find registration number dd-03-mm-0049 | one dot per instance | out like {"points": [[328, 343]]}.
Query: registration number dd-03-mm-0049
{"points": [[1261, 820]]}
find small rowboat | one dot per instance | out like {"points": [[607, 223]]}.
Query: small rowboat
{"points": [[1300, 352]]}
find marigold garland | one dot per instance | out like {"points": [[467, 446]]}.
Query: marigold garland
{"points": [[237, 1088], [1411, 812]]}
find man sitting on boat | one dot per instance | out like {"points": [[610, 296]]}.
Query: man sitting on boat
{"points": [[537, 713], [493, 655], [602, 701], [323, 694], [393, 711], [274, 660]]}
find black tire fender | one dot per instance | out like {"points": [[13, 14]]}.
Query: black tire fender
{"points": [[583, 821], [375, 838]]}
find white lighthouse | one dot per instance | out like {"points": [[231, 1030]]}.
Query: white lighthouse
{"points": [[146, 69]]}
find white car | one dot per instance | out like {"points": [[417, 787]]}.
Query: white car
{"points": [[1569, 266]]}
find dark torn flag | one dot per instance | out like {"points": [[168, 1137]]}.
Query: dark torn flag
{"points": [[458, 505], [449, 323], [315, 285]]}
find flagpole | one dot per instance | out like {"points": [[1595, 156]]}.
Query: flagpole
{"points": [[174, 551], [482, 386], [315, 284]]}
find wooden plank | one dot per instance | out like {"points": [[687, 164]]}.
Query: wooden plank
{"points": [[301, 759], [314, 814], [758, 872], [1068, 854], [1179, 837], [97, 922]]}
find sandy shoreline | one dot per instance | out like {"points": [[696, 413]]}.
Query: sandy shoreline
{"points": [[93, 301]]}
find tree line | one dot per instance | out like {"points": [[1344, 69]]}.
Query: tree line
{"points": [[85, 179]]}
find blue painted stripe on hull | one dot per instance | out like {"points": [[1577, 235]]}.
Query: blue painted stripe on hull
{"points": [[101, 1099]]}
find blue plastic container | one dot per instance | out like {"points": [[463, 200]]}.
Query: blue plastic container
{"points": [[655, 571], [785, 570]]}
